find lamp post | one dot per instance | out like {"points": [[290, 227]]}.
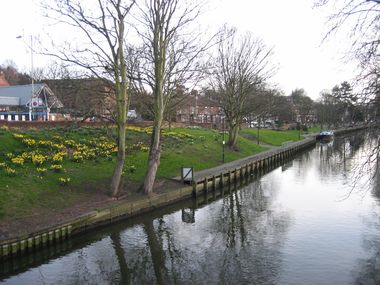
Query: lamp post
{"points": [[31, 75], [223, 143]]}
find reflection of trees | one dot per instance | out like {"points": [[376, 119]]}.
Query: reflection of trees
{"points": [[355, 158], [337, 157], [156, 250], [239, 244], [368, 270], [365, 172], [125, 273], [252, 233], [303, 161]]}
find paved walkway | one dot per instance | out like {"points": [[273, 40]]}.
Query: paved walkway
{"points": [[199, 175]]}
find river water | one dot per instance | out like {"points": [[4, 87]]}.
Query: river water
{"points": [[314, 220]]}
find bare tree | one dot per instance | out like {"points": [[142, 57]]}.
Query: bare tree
{"points": [[361, 19], [103, 26], [303, 105], [13, 75], [327, 110], [168, 58], [268, 103], [242, 64]]}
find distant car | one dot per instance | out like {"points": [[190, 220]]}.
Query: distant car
{"points": [[254, 124]]}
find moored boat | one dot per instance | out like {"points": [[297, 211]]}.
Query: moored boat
{"points": [[325, 135]]}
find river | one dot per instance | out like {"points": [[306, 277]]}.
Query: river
{"points": [[314, 220]]}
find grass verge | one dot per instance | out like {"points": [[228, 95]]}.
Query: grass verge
{"points": [[44, 170]]}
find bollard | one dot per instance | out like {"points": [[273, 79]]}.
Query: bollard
{"points": [[221, 181], [213, 183]]}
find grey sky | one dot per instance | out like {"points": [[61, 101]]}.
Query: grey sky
{"points": [[293, 27]]}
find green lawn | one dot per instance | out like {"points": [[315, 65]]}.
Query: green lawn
{"points": [[272, 137], [86, 157]]}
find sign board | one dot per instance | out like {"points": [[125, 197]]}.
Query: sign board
{"points": [[187, 174]]}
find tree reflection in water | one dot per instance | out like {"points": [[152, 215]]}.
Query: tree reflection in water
{"points": [[241, 245]]}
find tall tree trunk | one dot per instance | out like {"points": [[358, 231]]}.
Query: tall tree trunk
{"points": [[119, 166], [233, 136], [155, 145], [159, 50], [154, 156], [122, 103]]}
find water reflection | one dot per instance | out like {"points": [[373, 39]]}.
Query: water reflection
{"points": [[369, 268], [288, 227]]}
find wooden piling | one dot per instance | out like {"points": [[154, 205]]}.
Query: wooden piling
{"points": [[14, 248], [30, 244], [57, 234], [23, 244], [5, 250], [51, 236], [205, 185], [37, 241]]}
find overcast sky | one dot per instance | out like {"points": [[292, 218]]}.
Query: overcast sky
{"points": [[293, 28]]}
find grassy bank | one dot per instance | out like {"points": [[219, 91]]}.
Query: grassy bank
{"points": [[52, 169]]}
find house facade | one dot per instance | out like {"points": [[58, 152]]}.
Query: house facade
{"points": [[28, 102], [198, 109]]}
